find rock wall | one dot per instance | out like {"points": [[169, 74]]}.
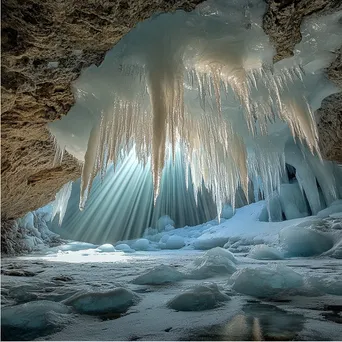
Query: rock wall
{"points": [[46, 44]]}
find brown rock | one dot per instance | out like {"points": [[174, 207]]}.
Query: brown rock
{"points": [[45, 45]]}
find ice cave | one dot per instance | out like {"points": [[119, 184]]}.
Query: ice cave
{"points": [[175, 183]]}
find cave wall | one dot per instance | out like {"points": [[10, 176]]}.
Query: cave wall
{"points": [[45, 46]]}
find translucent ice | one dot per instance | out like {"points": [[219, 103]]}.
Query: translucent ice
{"points": [[304, 241], [200, 297], [164, 221], [141, 245], [107, 247], [216, 261], [124, 247], [265, 281], [174, 242]]}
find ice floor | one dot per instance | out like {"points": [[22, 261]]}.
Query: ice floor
{"points": [[304, 311]]}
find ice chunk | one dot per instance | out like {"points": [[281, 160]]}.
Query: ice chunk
{"points": [[265, 281], [100, 303], [220, 252], [304, 242], [159, 275], [32, 319], [141, 245], [107, 247], [214, 262], [227, 212], [164, 221], [174, 242], [197, 298], [334, 208], [124, 247], [77, 246], [208, 242], [264, 252]]}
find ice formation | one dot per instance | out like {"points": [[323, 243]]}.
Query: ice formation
{"points": [[216, 261], [204, 83], [102, 303], [61, 202], [264, 252], [305, 239], [32, 319], [197, 298], [266, 281]]}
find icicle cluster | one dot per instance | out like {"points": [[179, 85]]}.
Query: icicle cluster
{"points": [[205, 81]]}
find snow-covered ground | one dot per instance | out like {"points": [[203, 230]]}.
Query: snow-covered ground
{"points": [[239, 279], [79, 300]]}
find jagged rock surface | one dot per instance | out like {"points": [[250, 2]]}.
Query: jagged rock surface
{"points": [[330, 116], [45, 45]]}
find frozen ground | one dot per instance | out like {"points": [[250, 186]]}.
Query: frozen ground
{"points": [[308, 313], [240, 279]]}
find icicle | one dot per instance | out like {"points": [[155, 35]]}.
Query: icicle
{"points": [[61, 202]]}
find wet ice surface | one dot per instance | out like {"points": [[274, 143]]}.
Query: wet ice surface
{"points": [[310, 314]]}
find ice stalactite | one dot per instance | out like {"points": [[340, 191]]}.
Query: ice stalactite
{"points": [[205, 81], [61, 202]]}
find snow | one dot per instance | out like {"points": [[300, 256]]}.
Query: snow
{"points": [[159, 275], [141, 245], [107, 247], [99, 303], [304, 241], [197, 298], [264, 252], [265, 281]]}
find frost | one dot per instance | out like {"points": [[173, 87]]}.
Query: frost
{"points": [[159, 275], [265, 281], [99, 303], [264, 252], [198, 298]]}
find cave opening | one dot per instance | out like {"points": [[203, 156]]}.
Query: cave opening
{"points": [[205, 207]]}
